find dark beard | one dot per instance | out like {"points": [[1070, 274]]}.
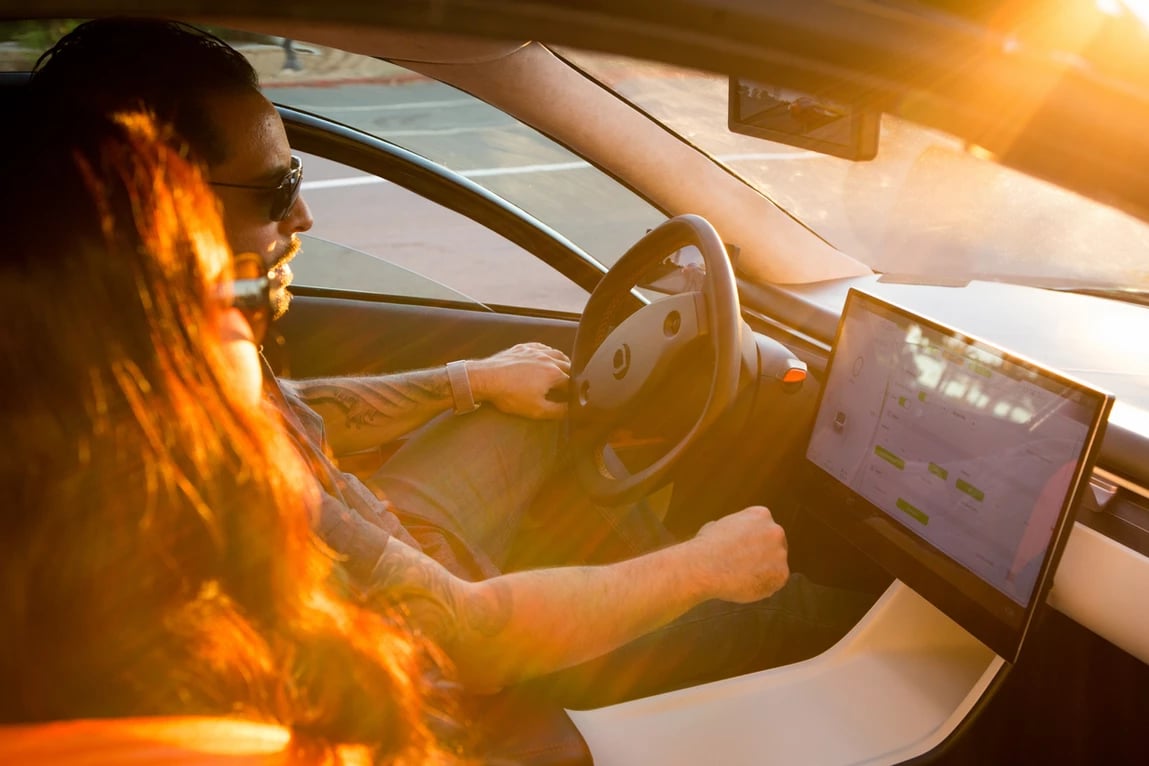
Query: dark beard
{"points": [[280, 300], [280, 297]]}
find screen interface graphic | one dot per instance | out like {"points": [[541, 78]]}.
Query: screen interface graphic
{"points": [[969, 450]]}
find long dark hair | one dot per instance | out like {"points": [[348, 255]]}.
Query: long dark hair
{"points": [[156, 554], [172, 69]]}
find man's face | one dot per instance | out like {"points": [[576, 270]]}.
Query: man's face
{"points": [[257, 155]]}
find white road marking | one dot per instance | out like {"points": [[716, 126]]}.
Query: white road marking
{"points": [[446, 131], [758, 156], [553, 167], [338, 183], [324, 108]]}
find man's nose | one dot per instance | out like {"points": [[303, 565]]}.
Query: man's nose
{"points": [[299, 218]]}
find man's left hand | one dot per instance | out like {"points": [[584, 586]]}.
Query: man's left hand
{"points": [[516, 381]]}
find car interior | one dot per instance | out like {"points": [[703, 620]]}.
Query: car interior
{"points": [[725, 353]]}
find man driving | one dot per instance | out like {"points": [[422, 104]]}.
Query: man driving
{"points": [[432, 530]]}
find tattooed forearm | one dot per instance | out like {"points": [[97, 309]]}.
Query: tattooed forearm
{"points": [[421, 590], [440, 605], [488, 610], [365, 412], [366, 401], [524, 624], [356, 412]]}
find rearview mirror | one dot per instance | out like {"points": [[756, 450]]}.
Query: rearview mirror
{"points": [[807, 120]]}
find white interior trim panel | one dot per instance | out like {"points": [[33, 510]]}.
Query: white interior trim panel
{"points": [[895, 687], [1102, 585]]}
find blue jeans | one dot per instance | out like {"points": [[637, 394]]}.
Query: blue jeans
{"points": [[475, 480]]}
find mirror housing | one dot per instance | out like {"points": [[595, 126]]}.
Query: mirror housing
{"points": [[825, 123]]}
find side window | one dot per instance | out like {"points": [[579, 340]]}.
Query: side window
{"points": [[373, 236], [473, 138]]}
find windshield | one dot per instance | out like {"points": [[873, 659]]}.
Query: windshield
{"points": [[928, 208]]}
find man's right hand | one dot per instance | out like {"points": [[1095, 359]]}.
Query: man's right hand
{"points": [[744, 555]]}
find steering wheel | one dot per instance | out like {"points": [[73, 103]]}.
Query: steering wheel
{"points": [[616, 359]]}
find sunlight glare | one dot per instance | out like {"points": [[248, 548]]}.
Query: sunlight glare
{"points": [[1138, 8]]}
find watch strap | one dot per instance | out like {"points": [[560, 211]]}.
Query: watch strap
{"points": [[461, 391]]}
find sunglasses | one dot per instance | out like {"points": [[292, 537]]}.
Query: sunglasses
{"points": [[284, 194]]}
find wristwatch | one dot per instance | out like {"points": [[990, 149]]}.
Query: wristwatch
{"points": [[461, 388]]}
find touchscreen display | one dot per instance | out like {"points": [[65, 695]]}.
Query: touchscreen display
{"points": [[970, 450]]}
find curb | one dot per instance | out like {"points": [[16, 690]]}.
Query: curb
{"points": [[321, 67]]}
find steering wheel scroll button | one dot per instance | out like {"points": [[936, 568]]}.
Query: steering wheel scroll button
{"points": [[461, 392], [621, 362]]}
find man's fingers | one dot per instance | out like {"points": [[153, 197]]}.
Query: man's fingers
{"points": [[553, 411], [543, 349], [529, 379]]}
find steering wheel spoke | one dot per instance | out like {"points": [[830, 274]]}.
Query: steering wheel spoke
{"points": [[638, 352]]}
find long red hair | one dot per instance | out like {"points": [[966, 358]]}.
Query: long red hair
{"points": [[156, 551]]}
